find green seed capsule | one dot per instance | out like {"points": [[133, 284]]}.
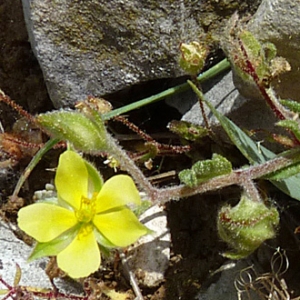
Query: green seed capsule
{"points": [[246, 226]]}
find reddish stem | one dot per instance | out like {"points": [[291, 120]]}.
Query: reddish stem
{"points": [[17, 108], [250, 69], [146, 137]]}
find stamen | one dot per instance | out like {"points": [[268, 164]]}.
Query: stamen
{"points": [[87, 209], [84, 231]]}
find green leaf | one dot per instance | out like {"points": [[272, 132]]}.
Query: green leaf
{"points": [[75, 127], [55, 246], [292, 105], [95, 180], [257, 54], [293, 125], [252, 45], [138, 210], [204, 170], [188, 131], [285, 173], [255, 153]]}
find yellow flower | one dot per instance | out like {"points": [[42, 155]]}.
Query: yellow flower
{"points": [[85, 213]]}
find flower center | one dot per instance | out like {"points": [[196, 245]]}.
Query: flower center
{"points": [[87, 209], [85, 230]]}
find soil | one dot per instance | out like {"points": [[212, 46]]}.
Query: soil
{"points": [[196, 247]]}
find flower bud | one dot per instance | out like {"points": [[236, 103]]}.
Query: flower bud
{"points": [[193, 57], [246, 226]]}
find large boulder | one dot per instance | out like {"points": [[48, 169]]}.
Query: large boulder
{"points": [[99, 47]]}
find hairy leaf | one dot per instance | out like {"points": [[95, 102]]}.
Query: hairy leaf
{"points": [[188, 131], [204, 170], [292, 105], [285, 173], [75, 127]]}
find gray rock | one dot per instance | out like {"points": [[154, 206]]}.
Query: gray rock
{"points": [[15, 251], [245, 113], [225, 288], [228, 101], [149, 257], [98, 47], [224, 96]]}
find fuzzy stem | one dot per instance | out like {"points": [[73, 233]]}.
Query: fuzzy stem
{"points": [[251, 189], [235, 178], [16, 107], [240, 177], [200, 100], [127, 164]]}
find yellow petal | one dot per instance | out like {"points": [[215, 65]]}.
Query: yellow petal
{"points": [[44, 221], [119, 190], [121, 227], [82, 256], [71, 178]]}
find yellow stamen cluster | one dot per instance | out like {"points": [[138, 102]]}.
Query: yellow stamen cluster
{"points": [[87, 210]]}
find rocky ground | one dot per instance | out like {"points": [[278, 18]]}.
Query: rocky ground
{"points": [[196, 247]]}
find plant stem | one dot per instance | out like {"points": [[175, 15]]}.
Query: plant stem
{"points": [[235, 178], [242, 177], [251, 190], [212, 72], [127, 164], [131, 277], [37, 157], [201, 104]]}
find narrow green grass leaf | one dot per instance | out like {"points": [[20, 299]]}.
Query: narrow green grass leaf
{"points": [[210, 73], [285, 173], [256, 153]]}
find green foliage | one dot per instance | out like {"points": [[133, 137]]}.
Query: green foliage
{"points": [[256, 154], [292, 105], [193, 56], [55, 246], [204, 170], [246, 226], [285, 173], [83, 132], [209, 74], [292, 125], [188, 131], [253, 58], [259, 54]]}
